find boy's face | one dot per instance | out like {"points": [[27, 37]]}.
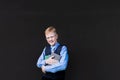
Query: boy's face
{"points": [[51, 38]]}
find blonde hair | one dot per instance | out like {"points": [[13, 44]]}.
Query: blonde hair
{"points": [[50, 29]]}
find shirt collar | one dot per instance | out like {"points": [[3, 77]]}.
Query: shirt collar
{"points": [[55, 46]]}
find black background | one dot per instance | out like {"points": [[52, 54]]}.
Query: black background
{"points": [[90, 29]]}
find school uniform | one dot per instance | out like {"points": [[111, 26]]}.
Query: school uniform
{"points": [[54, 71]]}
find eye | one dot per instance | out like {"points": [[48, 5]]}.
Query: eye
{"points": [[50, 37]]}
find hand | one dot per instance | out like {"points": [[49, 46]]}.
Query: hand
{"points": [[51, 60], [43, 69]]}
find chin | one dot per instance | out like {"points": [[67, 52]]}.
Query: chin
{"points": [[52, 44]]}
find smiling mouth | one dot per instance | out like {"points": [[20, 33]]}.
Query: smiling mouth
{"points": [[51, 41]]}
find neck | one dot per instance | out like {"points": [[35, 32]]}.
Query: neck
{"points": [[54, 44]]}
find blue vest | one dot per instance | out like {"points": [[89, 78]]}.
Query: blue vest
{"points": [[48, 50], [58, 75]]}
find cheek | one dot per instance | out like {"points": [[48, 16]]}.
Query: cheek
{"points": [[48, 40], [56, 38]]}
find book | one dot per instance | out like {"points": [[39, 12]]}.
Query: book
{"points": [[56, 56]]}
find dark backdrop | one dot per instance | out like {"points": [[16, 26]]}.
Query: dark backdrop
{"points": [[90, 29]]}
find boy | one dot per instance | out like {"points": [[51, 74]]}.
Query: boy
{"points": [[53, 69]]}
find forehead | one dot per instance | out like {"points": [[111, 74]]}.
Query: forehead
{"points": [[50, 34]]}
